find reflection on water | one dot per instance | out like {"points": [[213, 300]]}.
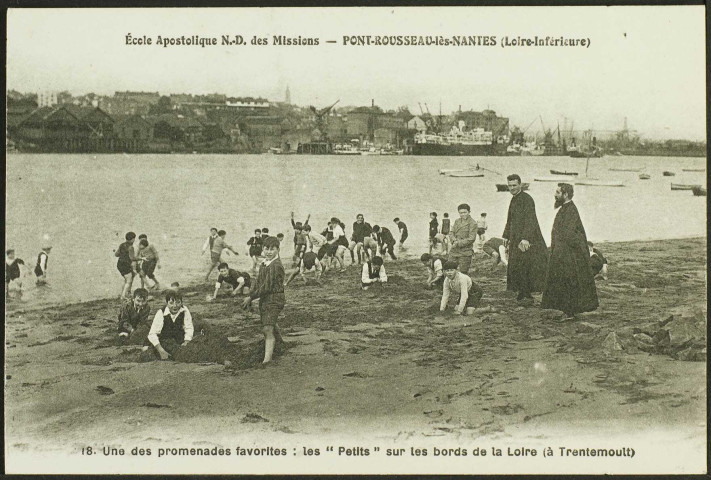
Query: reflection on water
{"points": [[86, 203]]}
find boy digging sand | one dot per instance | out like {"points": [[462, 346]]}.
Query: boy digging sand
{"points": [[269, 289], [171, 329], [469, 291]]}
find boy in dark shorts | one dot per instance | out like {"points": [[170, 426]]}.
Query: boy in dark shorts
{"points": [[132, 314], [269, 289], [171, 329], [126, 263], [457, 282], [299, 237], [239, 281], [445, 230], [403, 231], [433, 229], [148, 261], [12, 269], [255, 248], [41, 266], [216, 253], [309, 262]]}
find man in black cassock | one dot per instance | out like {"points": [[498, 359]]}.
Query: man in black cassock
{"points": [[522, 236], [570, 285]]}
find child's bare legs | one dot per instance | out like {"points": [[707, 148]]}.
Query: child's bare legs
{"points": [[269, 340], [127, 282]]}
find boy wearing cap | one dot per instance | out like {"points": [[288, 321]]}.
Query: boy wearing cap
{"points": [[269, 289], [41, 266], [456, 282]]}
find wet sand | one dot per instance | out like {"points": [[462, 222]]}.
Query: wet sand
{"points": [[381, 364]]}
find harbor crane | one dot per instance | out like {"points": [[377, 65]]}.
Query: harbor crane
{"points": [[320, 116]]}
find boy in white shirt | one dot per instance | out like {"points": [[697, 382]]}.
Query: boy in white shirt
{"points": [[456, 282], [172, 328], [373, 272]]}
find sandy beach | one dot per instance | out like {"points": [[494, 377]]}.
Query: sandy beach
{"points": [[383, 365]]}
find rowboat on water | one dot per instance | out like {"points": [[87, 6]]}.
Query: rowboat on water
{"points": [[699, 191], [594, 182], [684, 186], [644, 176], [465, 174], [668, 174], [693, 169], [558, 172], [504, 187], [625, 169]]}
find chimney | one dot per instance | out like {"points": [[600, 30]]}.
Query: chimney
{"points": [[372, 102]]}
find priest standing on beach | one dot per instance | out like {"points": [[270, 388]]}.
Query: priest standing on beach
{"points": [[570, 285], [527, 251]]}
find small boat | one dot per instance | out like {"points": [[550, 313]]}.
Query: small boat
{"points": [[684, 186], [644, 176], [594, 182], [275, 150], [668, 174], [504, 187], [699, 191], [625, 169], [552, 179], [693, 169], [558, 172], [465, 174]]}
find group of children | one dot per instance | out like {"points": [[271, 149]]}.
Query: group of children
{"points": [[13, 272], [440, 238], [142, 262]]}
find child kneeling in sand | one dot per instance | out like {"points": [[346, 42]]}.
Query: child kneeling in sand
{"points": [[239, 281], [308, 263], [469, 291], [172, 328], [269, 289], [435, 273], [373, 272], [133, 313]]}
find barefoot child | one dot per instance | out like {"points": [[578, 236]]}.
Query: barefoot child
{"points": [[41, 267], [373, 272], [216, 252], [435, 274], [255, 248], [148, 261], [240, 282], [126, 263], [456, 282], [403, 231], [307, 264], [433, 229], [171, 329], [133, 313], [269, 289], [12, 269]]}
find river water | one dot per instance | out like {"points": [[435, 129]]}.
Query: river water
{"points": [[84, 204]]}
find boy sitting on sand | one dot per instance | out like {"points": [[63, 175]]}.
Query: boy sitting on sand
{"points": [[269, 289], [469, 291], [373, 272], [435, 274], [309, 262], [133, 313], [171, 329], [239, 281]]}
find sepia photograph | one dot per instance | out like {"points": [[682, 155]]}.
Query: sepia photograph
{"points": [[356, 240]]}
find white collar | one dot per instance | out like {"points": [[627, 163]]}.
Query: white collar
{"points": [[166, 311], [266, 263]]}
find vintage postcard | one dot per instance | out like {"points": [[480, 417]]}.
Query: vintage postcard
{"points": [[356, 240]]}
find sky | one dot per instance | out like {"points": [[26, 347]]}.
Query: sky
{"points": [[644, 63]]}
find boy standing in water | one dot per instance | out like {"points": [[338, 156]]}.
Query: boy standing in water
{"points": [[255, 248], [148, 256], [434, 229], [269, 289], [403, 231], [445, 233], [210, 241], [216, 252], [126, 263], [41, 267], [12, 269]]}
